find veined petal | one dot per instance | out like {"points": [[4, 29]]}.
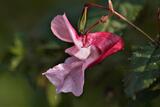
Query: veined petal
{"points": [[56, 74], [62, 29], [103, 40], [68, 76], [107, 43], [119, 45]]}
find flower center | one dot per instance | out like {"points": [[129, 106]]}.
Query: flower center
{"points": [[85, 41]]}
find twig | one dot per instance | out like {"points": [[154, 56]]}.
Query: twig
{"points": [[111, 9], [103, 19]]}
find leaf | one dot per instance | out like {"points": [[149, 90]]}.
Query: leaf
{"points": [[145, 63], [53, 97], [130, 10], [18, 52]]}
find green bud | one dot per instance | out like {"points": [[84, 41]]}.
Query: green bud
{"points": [[83, 20]]}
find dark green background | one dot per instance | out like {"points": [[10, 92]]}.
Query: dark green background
{"points": [[28, 48]]}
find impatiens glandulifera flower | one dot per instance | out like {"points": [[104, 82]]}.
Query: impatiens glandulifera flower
{"points": [[87, 51]]}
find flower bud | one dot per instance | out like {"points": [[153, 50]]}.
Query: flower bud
{"points": [[83, 20]]}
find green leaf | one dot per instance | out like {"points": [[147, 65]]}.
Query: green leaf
{"points": [[130, 10], [53, 97], [18, 52], [145, 63]]}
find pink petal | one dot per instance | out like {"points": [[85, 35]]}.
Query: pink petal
{"points": [[62, 29], [68, 76], [92, 58], [80, 53]]}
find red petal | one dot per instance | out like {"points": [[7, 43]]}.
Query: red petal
{"points": [[107, 43]]}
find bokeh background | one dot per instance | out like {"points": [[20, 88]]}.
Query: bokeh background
{"points": [[28, 48]]}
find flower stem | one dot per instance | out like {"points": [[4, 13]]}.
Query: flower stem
{"points": [[83, 19], [111, 9], [103, 19], [133, 25], [89, 5]]}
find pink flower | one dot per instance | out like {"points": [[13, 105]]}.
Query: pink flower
{"points": [[88, 50]]}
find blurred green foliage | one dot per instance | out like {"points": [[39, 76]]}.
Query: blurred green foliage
{"points": [[145, 65], [28, 48]]}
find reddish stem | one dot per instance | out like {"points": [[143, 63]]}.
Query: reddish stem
{"points": [[89, 5], [103, 19]]}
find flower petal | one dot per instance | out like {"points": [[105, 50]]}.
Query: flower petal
{"points": [[68, 76], [119, 45], [103, 40], [62, 29], [56, 74], [92, 57], [107, 43], [80, 53]]}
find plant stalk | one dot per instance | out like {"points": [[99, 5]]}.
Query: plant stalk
{"points": [[111, 9]]}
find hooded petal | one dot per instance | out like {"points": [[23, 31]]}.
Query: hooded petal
{"points": [[103, 40], [119, 45], [62, 29], [68, 76], [107, 44]]}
